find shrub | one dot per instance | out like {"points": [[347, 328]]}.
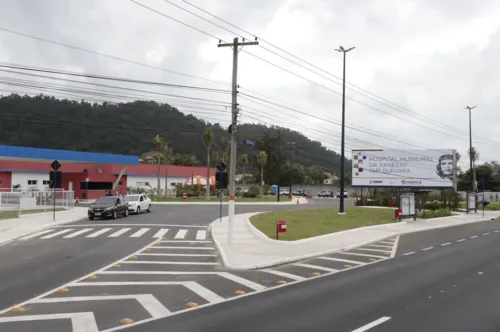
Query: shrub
{"points": [[434, 213], [252, 192], [433, 206]]}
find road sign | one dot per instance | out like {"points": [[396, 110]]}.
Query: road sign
{"points": [[221, 180], [55, 165], [248, 142], [221, 167]]}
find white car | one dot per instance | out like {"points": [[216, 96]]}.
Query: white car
{"points": [[138, 203]]}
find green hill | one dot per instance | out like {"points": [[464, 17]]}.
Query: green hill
{"points": [[128, 128]]}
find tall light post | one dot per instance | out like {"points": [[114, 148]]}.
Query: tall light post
{"points": [[472, 171], [342, 157], [291, 173]]}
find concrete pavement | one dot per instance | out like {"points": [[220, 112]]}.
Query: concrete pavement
{"points": [[251, 249]]}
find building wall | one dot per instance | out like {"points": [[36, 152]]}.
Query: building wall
{"points": [[77, 178], [5, 180], [139, 181], [23, 178]]}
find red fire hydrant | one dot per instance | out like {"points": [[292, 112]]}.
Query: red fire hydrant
{"points": [[280, 227]]}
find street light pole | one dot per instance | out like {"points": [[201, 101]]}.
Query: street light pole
{"points": [[291, 173], [470, 148], [342, 148]]}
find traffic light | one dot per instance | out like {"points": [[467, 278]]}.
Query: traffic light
{"points": [[221, 180]]}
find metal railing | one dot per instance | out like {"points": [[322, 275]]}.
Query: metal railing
{"points": [[22, 202]]}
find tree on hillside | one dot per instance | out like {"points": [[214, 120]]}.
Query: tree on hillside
{"points": [[208, 140], [261, 160], [159, 145]]}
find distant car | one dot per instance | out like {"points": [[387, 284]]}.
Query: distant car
{"points": [[108, 207], [346, 194], [284, 192], [138, 203], [300, 192], [326, 193]]}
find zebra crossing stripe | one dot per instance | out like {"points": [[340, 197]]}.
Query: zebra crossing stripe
{"points": [[181, 234], [120, 232], [140, 232], [58, 233], [100, 232], [36, 234], [161, 233], [75, 234], [201, 235]]}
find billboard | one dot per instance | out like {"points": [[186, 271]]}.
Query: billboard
{"points": [[404, 168]]}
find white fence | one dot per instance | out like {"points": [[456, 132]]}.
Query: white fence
{"points": [[36, 201]]}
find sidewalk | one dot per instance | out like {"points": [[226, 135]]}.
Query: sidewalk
{"points": [[16, 227], [251, 249]]}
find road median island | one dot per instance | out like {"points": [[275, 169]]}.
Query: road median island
{"points": [[16, 214], [302, 224]]}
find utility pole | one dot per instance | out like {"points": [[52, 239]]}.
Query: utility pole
{"points": [[342, 148], [472, 170], [278, 164], [233, 128], [291, 173]]}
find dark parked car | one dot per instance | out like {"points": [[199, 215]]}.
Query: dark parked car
{"points": [[108, 207]]}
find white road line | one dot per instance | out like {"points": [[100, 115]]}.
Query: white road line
{"points": [[363, 255], [158, 272], [445, 244], [167, 263], [141, 225], [57, 233], [428, 248], [374, 250], [486, 233], [181, 234], [75, 234], [36, 234], [498, 230], [201, 235], [185, 241], [386, 242], [284, 274], [99, 232], [140, 232], [395, 247], [378, 245], [194, 248], [148, 301], [177, 255], [473, 237], [461, 240], [203, 292], [80, 321], [242, 281], [161, 233], [341, 260], [409, 253], [120, 232], [372, 324], [316, 267]]}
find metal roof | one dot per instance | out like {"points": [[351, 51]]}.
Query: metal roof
{"points": [[8, 152]]}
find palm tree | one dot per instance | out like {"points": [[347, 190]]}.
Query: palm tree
{"points": [[243, 161], [261, 160], [159, 144], [168, 153], [208, 140]]}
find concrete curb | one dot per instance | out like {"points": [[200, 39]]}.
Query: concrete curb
{"points": [[52, 224], [260, 235]]}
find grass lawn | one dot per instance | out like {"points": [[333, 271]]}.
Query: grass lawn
{"points": [[15, 214], [216, 199], [308, 223]]}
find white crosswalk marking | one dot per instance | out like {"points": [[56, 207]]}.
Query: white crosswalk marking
{"points": [[140, 232], [161, 233], [75, 234], [201, 235], [58, 233], [100, 232], [120, 232], [36, 234], [181, 234]]}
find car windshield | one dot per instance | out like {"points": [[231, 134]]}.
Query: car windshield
{"points": [[106, 200], [132, 198]]}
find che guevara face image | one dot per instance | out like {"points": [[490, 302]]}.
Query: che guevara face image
{"points": [[445, 167]]}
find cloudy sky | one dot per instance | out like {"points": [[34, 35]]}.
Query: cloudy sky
{"points": [[416, 65]]}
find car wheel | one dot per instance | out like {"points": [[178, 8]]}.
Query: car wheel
{"points": [[149, 208], [91, 218], [138, 210], [114, 214], [126, 213]]}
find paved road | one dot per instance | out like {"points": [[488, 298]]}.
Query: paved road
{"points": [[449, 287]]}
